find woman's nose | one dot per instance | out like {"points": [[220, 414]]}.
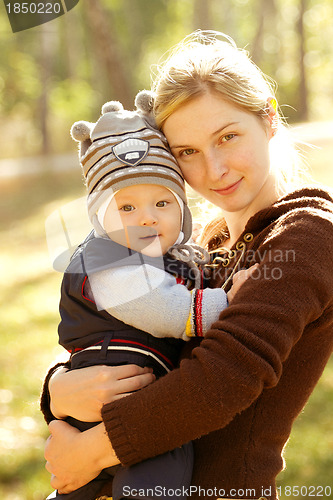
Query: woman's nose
{"points": [[215, 166]]}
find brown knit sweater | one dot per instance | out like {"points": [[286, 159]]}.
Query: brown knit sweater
{"points": [[244, 385]]}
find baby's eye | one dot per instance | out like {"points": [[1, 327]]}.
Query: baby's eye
{"points": [[127, 208], [161, 203]]}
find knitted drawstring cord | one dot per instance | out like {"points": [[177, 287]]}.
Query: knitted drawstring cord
{"points": [[193, 256]]}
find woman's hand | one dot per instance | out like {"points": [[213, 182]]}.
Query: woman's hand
{"points": [[239, 278], [74, 458], [82, 393]]}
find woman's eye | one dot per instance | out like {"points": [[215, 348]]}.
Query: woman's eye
{"points": [[227, 137], [161, 204], [187, 152], [127, 208]]}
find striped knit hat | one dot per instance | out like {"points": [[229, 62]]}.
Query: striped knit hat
{"points": [[124, 149]]}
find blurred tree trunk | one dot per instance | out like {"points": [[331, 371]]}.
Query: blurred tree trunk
{"points": [[230, 18], [267, 12], [69, 32], [45, 58], [202, 14], [134, 14], [257, 44], [108, 52], [303, 89]]}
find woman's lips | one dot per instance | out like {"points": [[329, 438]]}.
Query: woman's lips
{"points": [[229, 189]]}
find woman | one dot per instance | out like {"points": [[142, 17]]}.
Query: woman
{"points": [[244, 385]]}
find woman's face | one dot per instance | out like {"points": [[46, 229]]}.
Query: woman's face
{"points": [[223, 152]]}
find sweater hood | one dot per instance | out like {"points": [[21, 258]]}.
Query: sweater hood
{"points": [[304, 198]]}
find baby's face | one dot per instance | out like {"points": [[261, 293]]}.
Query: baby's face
{"points": [[145, 218]]}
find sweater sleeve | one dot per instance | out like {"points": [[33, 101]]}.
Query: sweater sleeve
{"points": [[242, 353], [45, 395], [152, 300]]}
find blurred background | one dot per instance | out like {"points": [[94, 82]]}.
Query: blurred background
{"points": [[63, 71]]}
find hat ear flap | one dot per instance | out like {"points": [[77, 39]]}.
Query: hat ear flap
{"points": [[144, 102], [80, 132]]}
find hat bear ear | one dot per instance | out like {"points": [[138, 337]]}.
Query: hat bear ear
{"points": [[144, 101], [80, 131], [111, 107]]}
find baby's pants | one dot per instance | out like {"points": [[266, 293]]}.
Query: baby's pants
{"points": [[163, 477]]}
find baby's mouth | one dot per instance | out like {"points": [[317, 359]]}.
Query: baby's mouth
{"points": [[147, 233], [149, 237]]}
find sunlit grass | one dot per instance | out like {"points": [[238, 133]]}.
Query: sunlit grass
{"points": [[309, 452], [29, 317], [29, 296]]}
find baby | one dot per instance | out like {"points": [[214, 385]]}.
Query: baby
{"points": [[133, 291]]}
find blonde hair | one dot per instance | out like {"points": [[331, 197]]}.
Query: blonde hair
{"points": [[202, 62], [210, 61]]}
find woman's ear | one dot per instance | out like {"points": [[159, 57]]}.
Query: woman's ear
{"points": [[272, 115]]}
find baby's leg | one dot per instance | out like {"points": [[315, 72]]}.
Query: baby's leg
{"points": [[165, 477]]}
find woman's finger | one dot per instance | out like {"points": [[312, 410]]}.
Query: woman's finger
{"points": [[128, 371], [133, 384]]}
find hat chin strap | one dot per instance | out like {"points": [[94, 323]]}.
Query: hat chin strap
{"points": [[103, 208], [180, 238], [98, 227], [181, 204]]}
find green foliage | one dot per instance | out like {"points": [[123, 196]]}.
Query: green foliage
{"points": [[71, 99], [56, 73], [29, 298]]}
